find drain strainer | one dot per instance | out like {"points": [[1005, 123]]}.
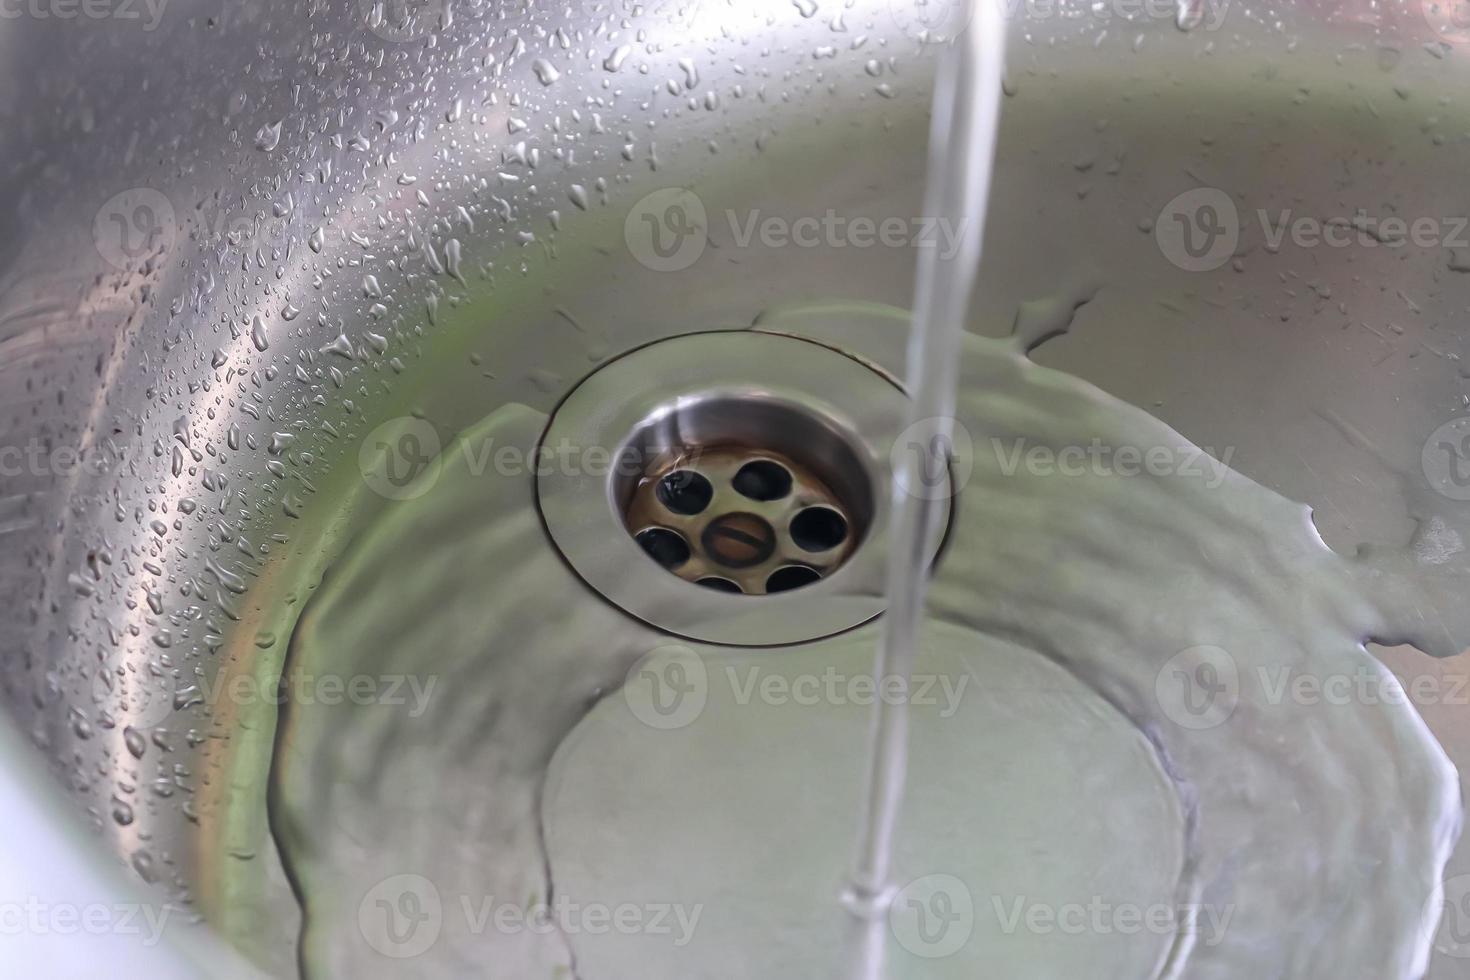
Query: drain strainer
{"points": [[747, 499], [746, 519]]}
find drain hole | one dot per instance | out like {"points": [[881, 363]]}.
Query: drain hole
{"points": [[730, 490], [791, 577], [762, 479], [718, 584], [684, 492], [818, 529], [666, 547]]}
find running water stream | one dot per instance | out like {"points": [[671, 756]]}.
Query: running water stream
{"points": [[962, 136]]}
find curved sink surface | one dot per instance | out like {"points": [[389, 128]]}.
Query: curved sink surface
{"points": [[243, 246]]}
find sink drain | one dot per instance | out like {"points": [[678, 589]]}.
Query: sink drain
{"points": [[747, 519], [747, 499]]}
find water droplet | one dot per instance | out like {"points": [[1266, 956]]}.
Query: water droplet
{"points": [[267, 137], [691, 73], [340, 346], [143, 864], [452, 259], [615, 60]]}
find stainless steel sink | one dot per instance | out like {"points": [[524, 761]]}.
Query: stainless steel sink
{"points": [[236, 240]]}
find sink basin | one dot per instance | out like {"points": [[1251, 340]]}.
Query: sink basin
{"points": [[261, 263]]}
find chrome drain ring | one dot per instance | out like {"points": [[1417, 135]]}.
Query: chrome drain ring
{"points": [[804, 563]]}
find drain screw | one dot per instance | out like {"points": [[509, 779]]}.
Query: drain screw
{"points": [[739, 540]]}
